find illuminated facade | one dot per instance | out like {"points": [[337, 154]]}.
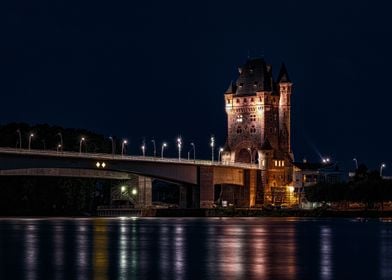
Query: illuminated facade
{"points": [[258, 111]]}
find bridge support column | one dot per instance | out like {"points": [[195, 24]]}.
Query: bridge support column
{"points": [[206, 186], [145, 191], [189, 196], [247, 194]]}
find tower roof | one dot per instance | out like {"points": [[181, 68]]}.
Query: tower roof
{"points": [[283, 76], [232, 88], [254, 76]]}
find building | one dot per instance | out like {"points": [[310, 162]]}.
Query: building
{"points": [[258, 111], [307, 174]]}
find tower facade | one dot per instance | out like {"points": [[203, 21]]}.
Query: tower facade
{"points": [[258, 109]]}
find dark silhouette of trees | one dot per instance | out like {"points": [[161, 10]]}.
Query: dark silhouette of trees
{"points": [[367, 187]]}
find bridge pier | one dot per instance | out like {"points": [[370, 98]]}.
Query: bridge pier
{"points": [[189, 196], [206, 186], [145, 191]]}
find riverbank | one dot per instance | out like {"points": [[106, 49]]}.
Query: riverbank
{"points": [[244, 212]]}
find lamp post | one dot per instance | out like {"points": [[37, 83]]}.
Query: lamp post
{"points": [[80, 144], [164, 145], [61, 140], [220, 154], [194, 151], [30, 136], [59, 147], [326, 160], [20, 138], [382, 166], [124, 142], [179, 145], [144, 150], [250, 154], [212, 144], [155, 147], [356, 163], [112, 140]]}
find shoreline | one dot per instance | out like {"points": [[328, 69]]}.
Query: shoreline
{"points": [[218, 212]]}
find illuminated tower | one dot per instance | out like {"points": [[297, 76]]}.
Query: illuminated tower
{"points": [[258, 116]]}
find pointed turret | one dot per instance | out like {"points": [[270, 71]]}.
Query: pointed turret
{"points": [[232, 88], [283, 76]]}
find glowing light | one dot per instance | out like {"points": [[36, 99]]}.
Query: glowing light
{"points": [[97, 164], [290, 188], [103, 165], [123, 188], [134, 191]]}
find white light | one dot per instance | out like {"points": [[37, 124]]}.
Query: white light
{"points": [[134, 191], [125, 141], [103, 165], [123, 188], [221, 149], [291, 188], [98, 164]]}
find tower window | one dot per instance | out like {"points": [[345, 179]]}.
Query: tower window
{"points": [[228, 101], [253, 129], [239, 118], [252, 118], [245, 100], [237, 100], [251, 100]]}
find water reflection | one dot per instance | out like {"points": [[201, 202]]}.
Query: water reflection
{"points": [[386, 253], [58, 248], [193, 249], [31, 251], [325, 253], [100, 249]]}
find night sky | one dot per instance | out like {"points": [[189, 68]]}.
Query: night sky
{"points": [[144, 69]]}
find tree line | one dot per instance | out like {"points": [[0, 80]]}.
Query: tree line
{"points": [[367, 187]]}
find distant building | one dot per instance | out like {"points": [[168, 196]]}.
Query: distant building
{"points": [[307, 174], [258, 111]]}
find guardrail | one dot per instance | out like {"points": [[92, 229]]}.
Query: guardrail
{"points": [[101, 156]]}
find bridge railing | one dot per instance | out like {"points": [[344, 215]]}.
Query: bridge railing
{"points": [[102, 156]]}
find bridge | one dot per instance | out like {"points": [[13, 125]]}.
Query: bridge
{"points": [[197, 177]]}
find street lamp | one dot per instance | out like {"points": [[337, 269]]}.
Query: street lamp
{"points": [[59, 147], [326, 160], [250, 154], [20, 138], [356, 163], [124, 142], [194, 151], [179, 145], [155, 147], [112, 140], [164, 145], [61, 140], [212, 144], [220, 154], [80, 144], [30, 136], [382, 166], [144, 150]]}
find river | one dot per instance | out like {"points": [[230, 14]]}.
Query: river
{"points": [[195, 248]]}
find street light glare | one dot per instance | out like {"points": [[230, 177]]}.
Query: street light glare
{"points": [[134, 191]]}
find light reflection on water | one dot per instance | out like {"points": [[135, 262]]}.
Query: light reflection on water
{"points": [[194, 248]]}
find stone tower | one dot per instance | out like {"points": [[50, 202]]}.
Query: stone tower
{"points": [[258, 116]]}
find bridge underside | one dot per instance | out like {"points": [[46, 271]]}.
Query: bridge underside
{"points": [[198, 181]]}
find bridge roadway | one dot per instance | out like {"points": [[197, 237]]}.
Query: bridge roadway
{"points": [[200, 176]]}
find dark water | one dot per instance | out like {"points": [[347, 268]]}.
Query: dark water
{"points": [[192, 248]]}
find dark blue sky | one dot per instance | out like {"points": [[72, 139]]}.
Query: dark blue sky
{"points": [[160, 68]]}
